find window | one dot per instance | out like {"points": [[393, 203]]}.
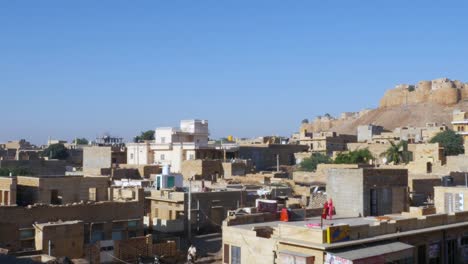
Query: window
{"points": [[27, 234], [452, 252], [434, 253], [428, 167], [235, 255], [132, 223], [464, 241], [117, 235], [131, 156], [92, 194], [109, 248], [97, 236], [55, 198], [422, 254], [162, 157], [97, 233], [163, 140]]}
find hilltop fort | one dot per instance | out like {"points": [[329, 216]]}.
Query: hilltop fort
{"points": [[403, 105]]}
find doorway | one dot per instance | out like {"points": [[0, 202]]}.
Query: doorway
{"points": [[428, 167]]}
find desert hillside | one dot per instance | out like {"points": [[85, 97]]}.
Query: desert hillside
{"points": [[404, 105]]}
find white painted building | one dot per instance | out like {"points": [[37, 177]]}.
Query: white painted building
{"points": [[139, 153], [172, 145]]}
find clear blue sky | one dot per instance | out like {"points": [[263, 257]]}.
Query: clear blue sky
{"points": [[81, 68]]}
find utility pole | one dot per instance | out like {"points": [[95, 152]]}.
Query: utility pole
{"points": [[277, 163], [198, 216], [189, 209]]}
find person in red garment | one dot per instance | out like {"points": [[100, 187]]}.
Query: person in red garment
{"points": [[325, 210], [328, 209], [331, 209], [284, 215]]}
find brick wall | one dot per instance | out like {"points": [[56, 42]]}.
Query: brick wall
{"points": [[15, 217]]}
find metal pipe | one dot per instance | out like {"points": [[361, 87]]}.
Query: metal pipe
{"points": [[189, 213]]}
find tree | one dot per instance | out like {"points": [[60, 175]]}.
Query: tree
{"points": [[144, 135], [354, 157], [450, 141], [81, 141], [310, 163], [56, 151], [305, 121], [397, 153]]}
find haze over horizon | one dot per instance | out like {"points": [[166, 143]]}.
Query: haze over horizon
{"points": [[85, 68]]}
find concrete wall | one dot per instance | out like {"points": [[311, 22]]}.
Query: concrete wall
{"points": [[350, 190], [66, 238], [75, 157], [346, 188], [204, 169], [144, 171], [209, 209], [234, 169], [423, 185], [253, 249], [70, 189], [8, 190], [450, 199], [366, 132], [392, 190], [95, 158], [139, 154], [264, 157], [37, 167]]}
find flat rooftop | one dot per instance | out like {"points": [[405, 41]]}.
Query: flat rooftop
{"points": [[59, 223], [351, 221], [314, 224], [454, 187]]}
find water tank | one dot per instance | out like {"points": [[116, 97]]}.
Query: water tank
{"points": [[166, 170], [447, 181]]}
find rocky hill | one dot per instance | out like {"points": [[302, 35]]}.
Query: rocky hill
{"points": [[404, 105]]}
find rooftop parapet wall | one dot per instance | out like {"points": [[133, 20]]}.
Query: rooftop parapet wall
{"points": [[441, 91], [388, 225], [24, 217]]}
